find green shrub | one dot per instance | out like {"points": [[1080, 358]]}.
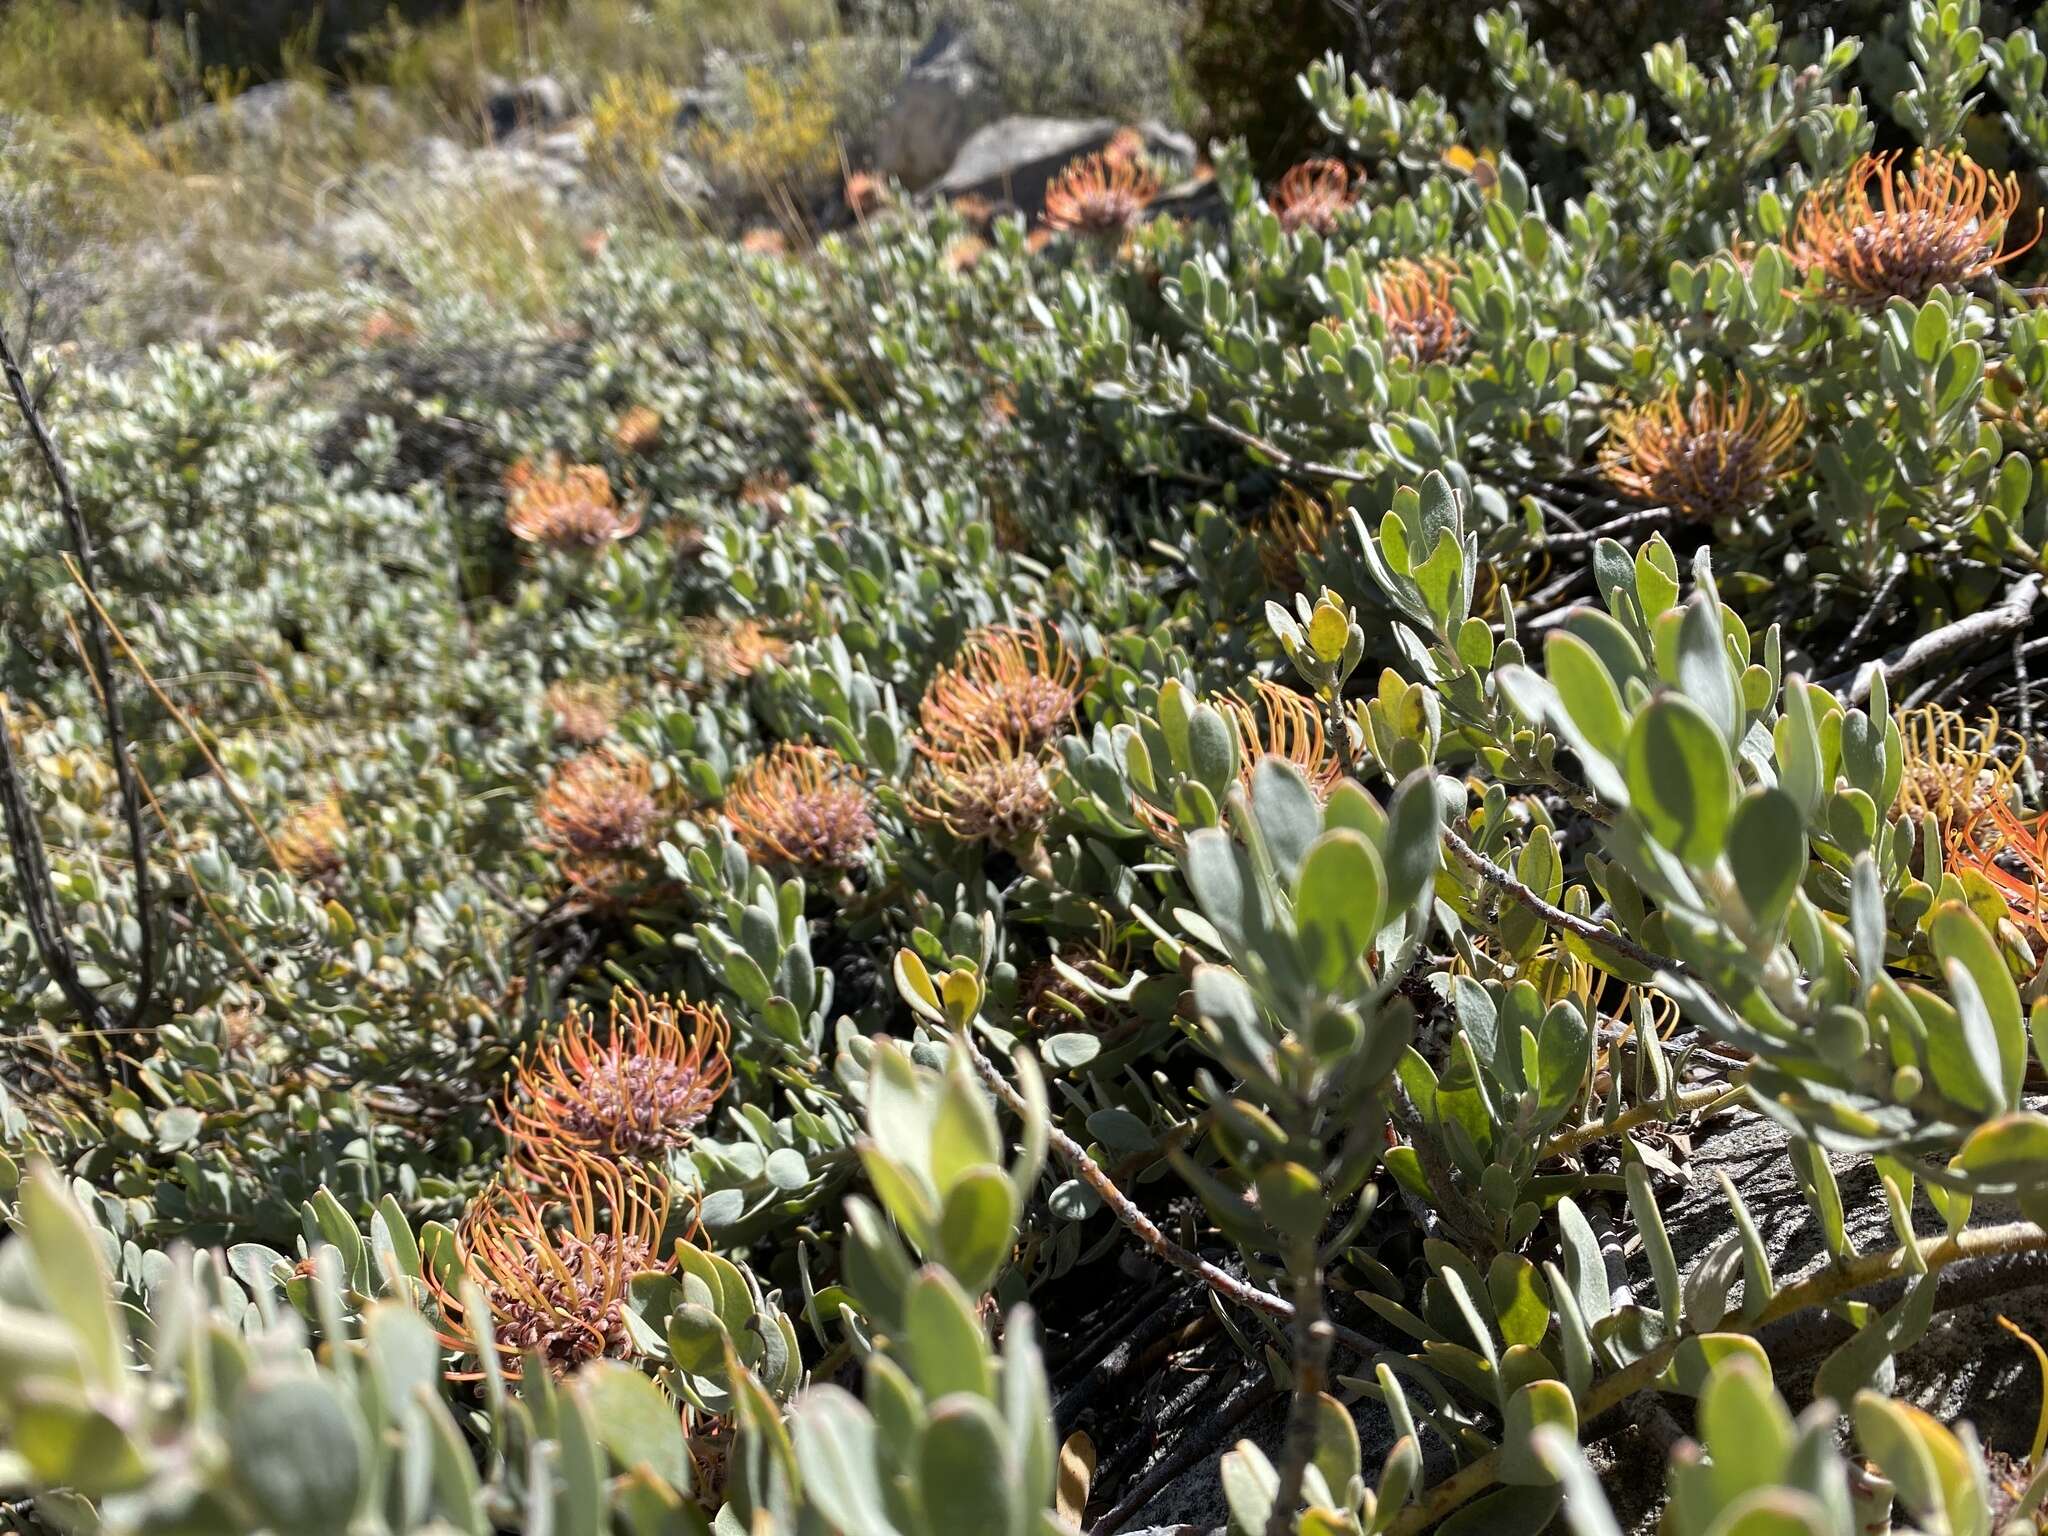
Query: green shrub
{"points": [[89, 58], [1082, 58], [725, 823]]}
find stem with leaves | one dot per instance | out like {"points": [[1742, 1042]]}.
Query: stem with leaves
{"points": [[24, 837]]}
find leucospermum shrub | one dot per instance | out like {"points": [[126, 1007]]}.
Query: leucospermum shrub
{"points": [[763, 892]]}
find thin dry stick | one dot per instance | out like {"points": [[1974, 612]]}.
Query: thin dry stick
{"points": [[2011, 613], [185, 724], [24, 836], [1556, 916], [1120, 1205], [1701, 1100], [1826, 1285], [1285, 462]]}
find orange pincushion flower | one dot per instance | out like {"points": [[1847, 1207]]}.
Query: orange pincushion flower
{"points": [[1294, 525], [584, 713], [768, 491], [637, 1091], [1313, 195], [601, 802], [734, 650], [763, 241], [309, 843], [555, 1273], [1718, 458], [974, 209], [1099, 196], [638, 431], [567, 507], [1941, 225], [965, 253], [1275, 722], [988, 793], [383, 326], [866, 194], [1009, 687], [803, 805], [1278, 722], [1956, 773], [1413, 301], [598, 814]]}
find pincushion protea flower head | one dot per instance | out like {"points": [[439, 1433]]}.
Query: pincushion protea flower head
{"points": [[554, 1270], [1313, 195], [1278, 722], [734, 649], [383, 327], [965, 253], [1719, 457], [567, 507], [600, 802], [1295, 525], [598, 814], [801, 804], [636, 1089], [990, 793], [1940, 225], [309, 843], [638, 431], [584, 713], [1413, 301], [1012, 687], [1099, 196], [763, 241], [1962, 775], [1275, 722]]}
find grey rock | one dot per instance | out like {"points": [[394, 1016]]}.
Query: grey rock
{"points": [[944, 96], [539, 102], [1014, 159]]}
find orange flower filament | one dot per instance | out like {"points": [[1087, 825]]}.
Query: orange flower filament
{"points": [[1883, 233], [1718, 458], [636, 1090], [803, 805], [565, 507]]}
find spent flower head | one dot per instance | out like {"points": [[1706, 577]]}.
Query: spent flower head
{"points": [[565, 507]]}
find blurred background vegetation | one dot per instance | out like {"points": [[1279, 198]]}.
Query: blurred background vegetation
{"points": [[1225, 66], [119, 131]]}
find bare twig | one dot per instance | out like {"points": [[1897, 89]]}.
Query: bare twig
{"points": [[23, 835], [1120, 1205], [1199, 1443], [1556, 916], [2011, 613], [1285, 462]]}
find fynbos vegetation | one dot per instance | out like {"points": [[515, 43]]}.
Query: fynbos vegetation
{"points": [[1373, 841]]}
